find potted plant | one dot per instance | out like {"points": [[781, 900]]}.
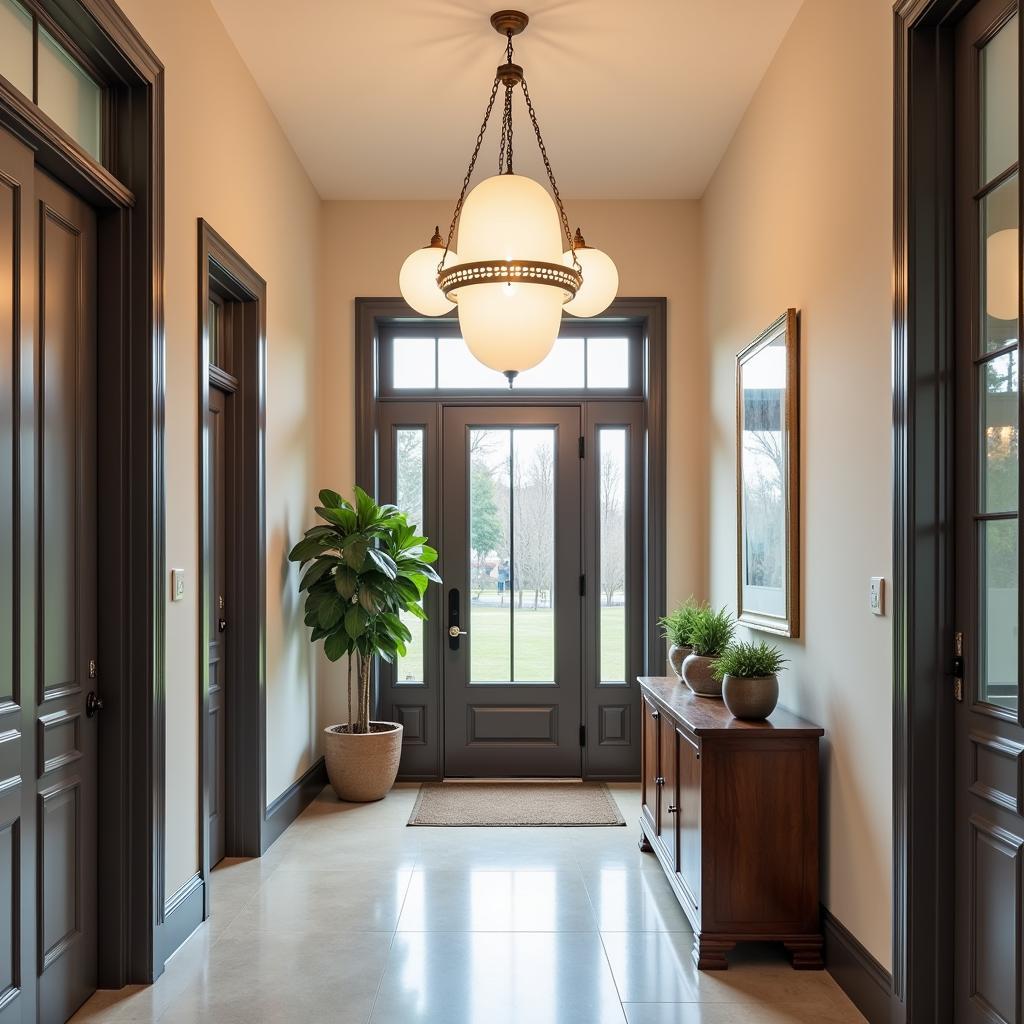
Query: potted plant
{"points": [[675, 628], [749, 675], [710, 633], [367, 566]]}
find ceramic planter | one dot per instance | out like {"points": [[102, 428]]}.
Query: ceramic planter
{"points": [[362, 766], [751, 698], [676, 656], [698, 676]]}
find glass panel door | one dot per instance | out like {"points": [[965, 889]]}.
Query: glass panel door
{"points": [[512, 550]]}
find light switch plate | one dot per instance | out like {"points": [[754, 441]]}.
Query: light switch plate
{"points": [[876, 595], [177, 584]]}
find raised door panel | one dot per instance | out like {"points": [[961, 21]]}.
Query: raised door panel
{"points": [[688, 795], [667, 803], [651, 771]]}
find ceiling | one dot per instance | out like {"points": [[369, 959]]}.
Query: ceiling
{"points": [[383, 99]]}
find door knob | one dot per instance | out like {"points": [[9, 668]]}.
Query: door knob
{"points": [[93, 703], [454, 632], [222, 624], [671, 808]]}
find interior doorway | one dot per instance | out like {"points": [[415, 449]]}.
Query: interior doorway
{"points": [[232, 553], [548, 533]]}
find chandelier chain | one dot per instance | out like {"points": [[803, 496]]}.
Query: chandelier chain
{"points": [[469, 172], [551, 176]]}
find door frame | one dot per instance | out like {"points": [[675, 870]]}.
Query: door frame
{"points": [[650, 314], [246, 830], [923, 513], [129, 202]]}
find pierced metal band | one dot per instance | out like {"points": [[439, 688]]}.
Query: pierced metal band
{"points": [[510, 271]]}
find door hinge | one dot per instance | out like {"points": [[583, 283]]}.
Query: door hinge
{"points": [[958, 665], [583, 735], [583, 446], [583, 585]]}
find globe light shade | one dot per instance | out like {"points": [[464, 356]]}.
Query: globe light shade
{"points": [[600, 282], [417, 280], [509, 217], [510, 327], [1002, 274]]}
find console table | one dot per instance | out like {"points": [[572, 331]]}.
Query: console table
{"points": [[730, 808]]}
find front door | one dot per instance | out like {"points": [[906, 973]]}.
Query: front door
{"points": [[989, 770], [511, 608], [49, 676]]}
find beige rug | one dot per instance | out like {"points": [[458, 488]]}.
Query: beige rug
{"points": [[503, 804]]}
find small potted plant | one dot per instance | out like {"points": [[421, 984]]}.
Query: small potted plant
{"points": [[367, 568], [749, 676], [710, 634], [675, 628]]}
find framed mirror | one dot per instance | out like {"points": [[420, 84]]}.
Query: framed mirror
{"points": [[768, 479]]}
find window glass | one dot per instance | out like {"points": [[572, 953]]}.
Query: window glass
{"points": [[612, 550], [999, 101], [998, 613], [562, 368], [608, 362], [409, 498], [413, 363], [1000, 438], [69, 95], [457, 367], [1000, 258], [16, 45]]}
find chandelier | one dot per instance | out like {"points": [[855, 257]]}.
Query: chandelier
{"points": [[511, 278]]}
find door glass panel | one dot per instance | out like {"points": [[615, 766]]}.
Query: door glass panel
{"points": [[533, 555], [1000, 266], [69, 95], [409, 498], [998, 613], [511, 540], [490, 614], [1000, 405], [413, 364], [16, 46], [999, 101], [607, 362], [612, 541]]}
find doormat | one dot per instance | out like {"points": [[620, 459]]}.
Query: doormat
{"points": [[505, 804]]}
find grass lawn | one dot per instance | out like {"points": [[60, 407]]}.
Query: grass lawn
{"points": [[489, 644]]}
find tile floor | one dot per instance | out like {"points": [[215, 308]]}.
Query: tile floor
{"points": [[352, 917]]}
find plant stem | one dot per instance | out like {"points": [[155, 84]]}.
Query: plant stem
{"points": [[365, 662], [351, 724]]}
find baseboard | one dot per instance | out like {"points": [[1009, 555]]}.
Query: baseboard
{"points": [[292, 802], [857, 972], [183, 914]]}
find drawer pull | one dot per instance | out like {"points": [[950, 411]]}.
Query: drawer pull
{"points": [[655, 714], [660, 780], [671, 808]]}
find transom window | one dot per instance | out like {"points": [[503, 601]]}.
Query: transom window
{"points": [[430, 356], [42, 64]]}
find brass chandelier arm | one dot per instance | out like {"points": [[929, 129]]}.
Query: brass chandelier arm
{"points": [[451, 279]]}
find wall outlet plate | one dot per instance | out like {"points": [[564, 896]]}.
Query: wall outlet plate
{"points": [[876, 595], [177, 584]]}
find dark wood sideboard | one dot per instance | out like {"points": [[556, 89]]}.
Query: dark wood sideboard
{"points": [[730, 808]]}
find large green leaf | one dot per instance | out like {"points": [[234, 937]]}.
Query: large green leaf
{"points": [[355, 621], [310, 547], [384, 562], [342, 518], [355, 554], [370, 600], [332, 499], [345, 581], [330, 612], [337, 645], [428, 554], [315, 572], [366, 508]]}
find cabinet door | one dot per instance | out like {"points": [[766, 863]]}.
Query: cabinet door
{"points": [[668, 828], [688, 813], [651, 759]]}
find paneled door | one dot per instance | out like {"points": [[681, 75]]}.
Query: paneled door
{"points": [[989, 788], [48, 606], [511, 611]]}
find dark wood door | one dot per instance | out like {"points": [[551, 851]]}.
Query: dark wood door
{"points": [[668, 802], [989, 730], [512, 571], [216, 603], [651, 764], [66, 670], [688, 814]]}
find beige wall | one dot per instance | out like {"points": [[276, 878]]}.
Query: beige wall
{"points": [[229, 162], [655, 246], [799, 213]]}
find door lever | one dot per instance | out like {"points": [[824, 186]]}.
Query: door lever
{"points": [[455, 631], [93, 703]]}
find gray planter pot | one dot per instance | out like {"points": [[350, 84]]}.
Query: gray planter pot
{"points": [[362, 766], [697, 676], [676, 657], [753, 698]]}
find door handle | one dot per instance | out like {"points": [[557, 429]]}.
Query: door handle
{"points": [[222, 624], [672, 808], [455, 631], [93, 703]]}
